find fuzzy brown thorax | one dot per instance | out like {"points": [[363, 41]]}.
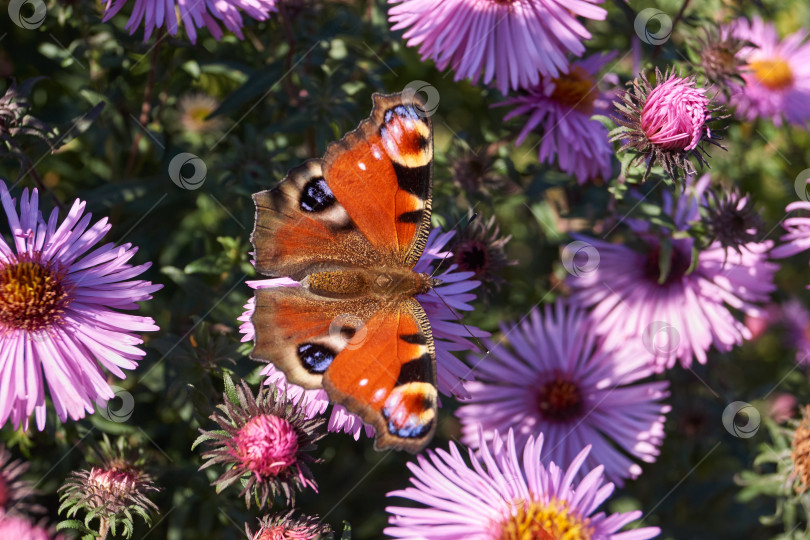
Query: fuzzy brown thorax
{"points": [[385, 282]]}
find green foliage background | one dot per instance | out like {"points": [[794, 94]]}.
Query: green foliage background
{"points": [[297, 82]]}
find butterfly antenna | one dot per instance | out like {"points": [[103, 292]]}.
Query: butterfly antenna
{"points": [[477, 341]]}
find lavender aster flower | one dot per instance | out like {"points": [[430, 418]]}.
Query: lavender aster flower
{"points": [[558, 380], [512, 42], [796, 320], [563, 108], [194, 14], [797, 238], [59, 322], [678, 316], [442, 305], [777, 74], [501, 496]]}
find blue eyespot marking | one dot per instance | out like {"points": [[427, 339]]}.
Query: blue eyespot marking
{"points": [[316, 196], [316, 358]]}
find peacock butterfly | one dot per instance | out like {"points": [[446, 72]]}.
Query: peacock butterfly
{"points": [[349, 228]]}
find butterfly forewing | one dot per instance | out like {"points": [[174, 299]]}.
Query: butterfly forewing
{"points": [[382, 174]]}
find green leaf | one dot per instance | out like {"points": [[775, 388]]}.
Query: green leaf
{"points": [[230, 389], [347, 531]]}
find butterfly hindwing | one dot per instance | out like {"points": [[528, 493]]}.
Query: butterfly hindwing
{"points": [[302, 333], [375, 359], [382, 174], [389, 379]]}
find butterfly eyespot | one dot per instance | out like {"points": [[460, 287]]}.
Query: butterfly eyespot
{"points": [[316, 358], [316, 196]]}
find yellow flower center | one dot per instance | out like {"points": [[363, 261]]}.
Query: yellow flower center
{"points": [[576, 90], [774, 73], [199, 113], [33, 296], [551, 521]]}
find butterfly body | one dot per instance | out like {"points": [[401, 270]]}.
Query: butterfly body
{"points": [[349, 229]]}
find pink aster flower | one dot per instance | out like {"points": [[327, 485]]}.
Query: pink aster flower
{"points": [[675, 114], [442, 305], [665, 124], [59, 323], [288, 527], [563, 107], [264, 441], [679, 317], [22, 529], [557, 379], [504, 496], [194, 14], [776, 77], [513, 42]]}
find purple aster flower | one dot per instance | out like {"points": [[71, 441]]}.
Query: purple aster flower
{"points": [[563, 107], [679, 315], [776, 77], [796, 320], [442, 304], [194, 14], [557, 379], [504, 496], [58, 312], [512, 42], [798, 237]]}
